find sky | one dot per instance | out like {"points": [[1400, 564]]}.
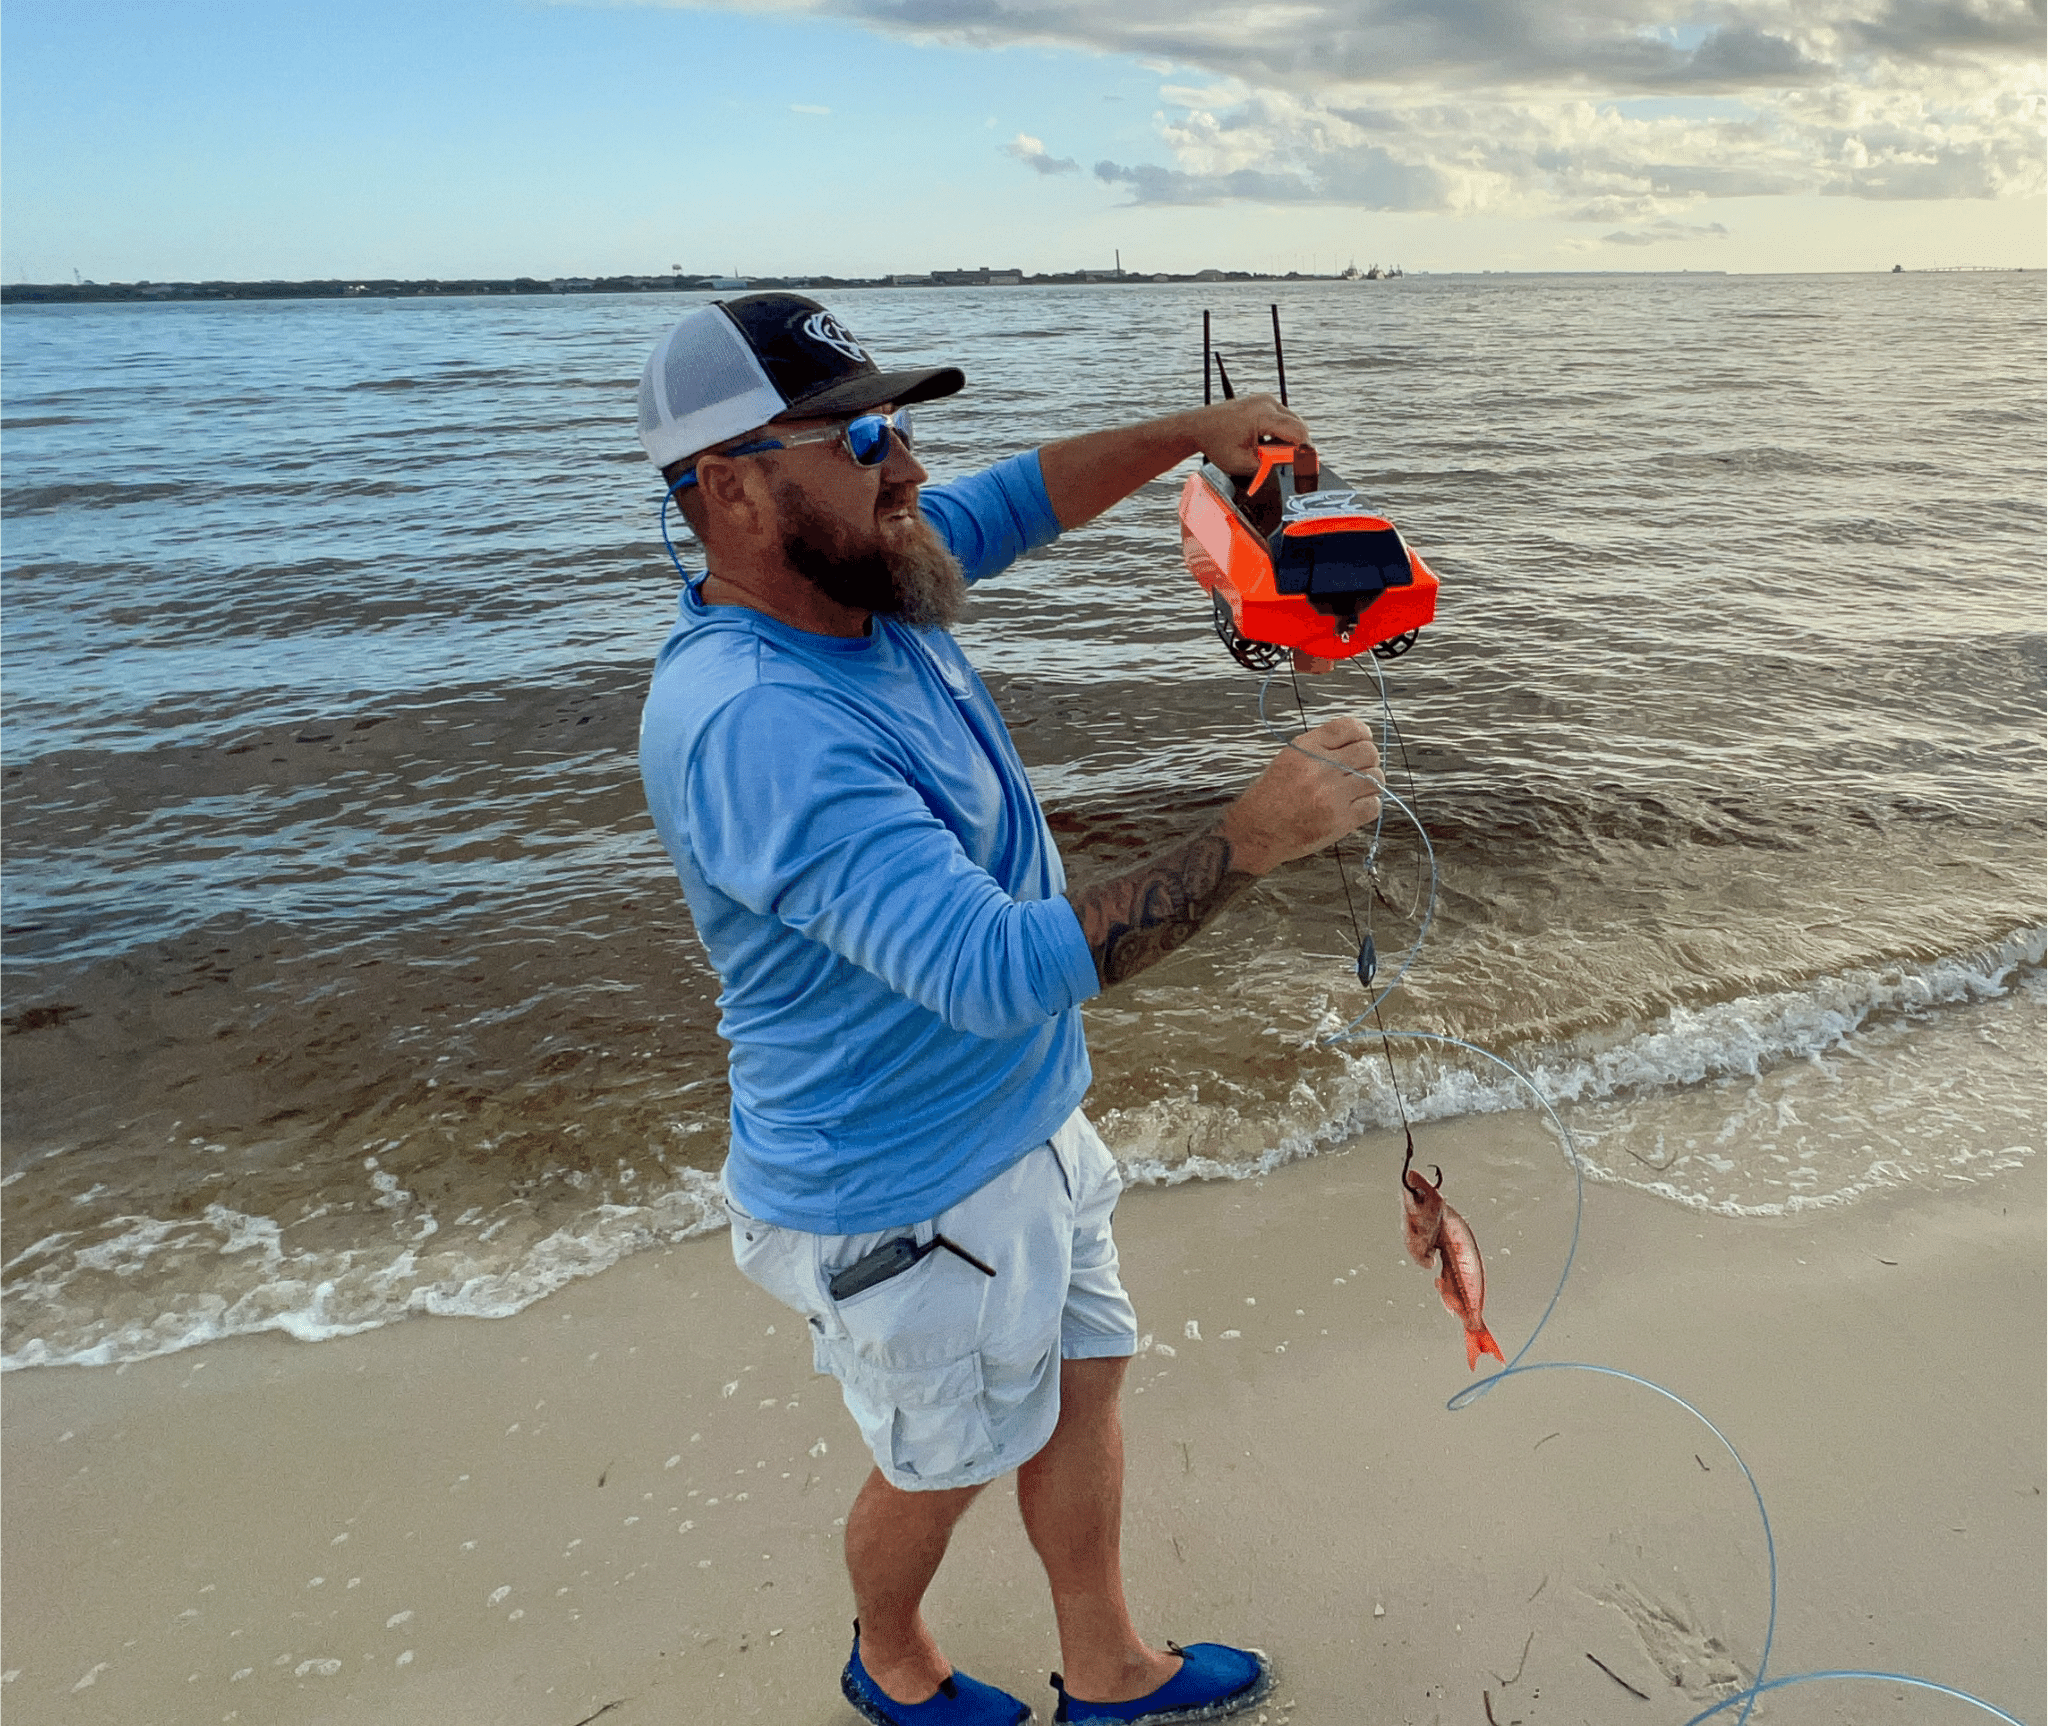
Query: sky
{"points": [[196, 139]]}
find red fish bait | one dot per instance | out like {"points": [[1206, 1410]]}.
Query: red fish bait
{"points": [[1432, 1230]]}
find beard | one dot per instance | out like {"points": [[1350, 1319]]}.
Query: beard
{"points": [[905, 573]]}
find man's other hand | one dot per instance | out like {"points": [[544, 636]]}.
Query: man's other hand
{"points": [[1229, 433], [1314, 793]]}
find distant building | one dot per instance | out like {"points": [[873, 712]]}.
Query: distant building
{"points": [[979, 277], [728, 282], [570, 284], [910, 281], [1208, 275]]}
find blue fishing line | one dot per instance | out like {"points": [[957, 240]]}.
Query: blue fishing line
{"points": [[1856, 1672], [1515, 1367]]}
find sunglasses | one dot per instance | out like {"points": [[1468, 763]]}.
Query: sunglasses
{"points": [[866, 439]]}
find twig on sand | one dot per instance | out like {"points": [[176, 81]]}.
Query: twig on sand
{"points": [[1545, 1439], [1639, 1695], [1487, 1698], [606, 1709], [1702, 1461], [603, 1475], [1539, 1588], [1510, 1683]]}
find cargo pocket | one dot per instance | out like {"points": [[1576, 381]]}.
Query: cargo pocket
{"points": [[926, 1423]]}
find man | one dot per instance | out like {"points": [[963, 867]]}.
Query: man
{"points": [[903, 965]]}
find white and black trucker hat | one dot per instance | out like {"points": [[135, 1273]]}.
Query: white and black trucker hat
{"points": [[737, 364]]}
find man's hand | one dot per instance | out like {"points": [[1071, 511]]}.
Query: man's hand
{"points": [[1301, 803], [1229, 433], [1085, 475], [1312, 795]]}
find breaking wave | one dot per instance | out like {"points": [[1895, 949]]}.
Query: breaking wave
{"points": [[1747, 1038]]}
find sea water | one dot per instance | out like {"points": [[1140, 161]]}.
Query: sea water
{"points": [[345, 976]]}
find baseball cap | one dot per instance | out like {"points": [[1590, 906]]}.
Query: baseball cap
{"points": [[737, 364]]}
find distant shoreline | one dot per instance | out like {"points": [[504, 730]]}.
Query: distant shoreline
{"points": [[391, 288], [342, 288]]}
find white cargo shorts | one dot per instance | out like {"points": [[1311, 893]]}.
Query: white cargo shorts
{"points": [[953, 1376]]}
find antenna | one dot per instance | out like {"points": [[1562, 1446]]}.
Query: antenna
{"points": [[1206, 396], [1279, 358], [1229, 394]]}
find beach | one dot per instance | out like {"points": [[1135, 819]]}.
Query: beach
{"points": [[626, 1496]]}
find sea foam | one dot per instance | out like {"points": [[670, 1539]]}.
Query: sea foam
{"points": [[1747, 1038]]}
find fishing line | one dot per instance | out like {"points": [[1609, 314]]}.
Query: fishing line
{"points": [[1393, 726], [1519, 1364], [1386, 797], [1336, 845], [1361, 940]]}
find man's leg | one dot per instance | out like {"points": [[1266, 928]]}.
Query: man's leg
{"points": [[1072, 1497], [894, 1541]]}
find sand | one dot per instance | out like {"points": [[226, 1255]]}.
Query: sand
{"points": [[625, 1498]]}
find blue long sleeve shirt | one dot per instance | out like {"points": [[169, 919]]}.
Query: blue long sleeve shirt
{"points": [[875, 884]]}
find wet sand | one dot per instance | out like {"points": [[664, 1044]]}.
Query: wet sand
{"points": [[625, 1496]]}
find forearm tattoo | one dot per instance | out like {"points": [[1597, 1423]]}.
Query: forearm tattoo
{"points": [[1137, 919]]}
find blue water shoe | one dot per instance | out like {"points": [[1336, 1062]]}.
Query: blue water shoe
{"points": [[1213, 1682], [961, 1700]]}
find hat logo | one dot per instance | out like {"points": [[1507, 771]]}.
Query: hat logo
{"points": [[826, 330]]}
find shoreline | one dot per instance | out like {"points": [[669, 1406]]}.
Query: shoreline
{"points": [[392, 287], [1957, 1040], [650, 1476]]}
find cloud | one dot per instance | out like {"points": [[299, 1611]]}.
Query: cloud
{"points": [[1640, 110], [1884, 135], [1152, 185], [1608, 46], [807, 108], [1663, 232], [1944, 29], [1363, 177], [1033, 154]]}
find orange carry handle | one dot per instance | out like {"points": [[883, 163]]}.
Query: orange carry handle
{"points": [[1271, 455]]}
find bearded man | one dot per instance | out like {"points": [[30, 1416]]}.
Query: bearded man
{"points": [[903, 968]]}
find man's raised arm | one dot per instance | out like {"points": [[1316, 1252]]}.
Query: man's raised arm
{"points": [[1085, 475]]}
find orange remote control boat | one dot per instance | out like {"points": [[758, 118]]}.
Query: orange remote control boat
{"points": [[1291, 559]]}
